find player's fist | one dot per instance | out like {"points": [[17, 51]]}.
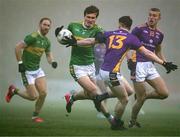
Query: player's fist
{"points": [[54, 64], [100, 38], [70, 41], [21, 67], [169, 66]]}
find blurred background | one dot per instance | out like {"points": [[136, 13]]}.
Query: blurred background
{"points": [[20, 17]]}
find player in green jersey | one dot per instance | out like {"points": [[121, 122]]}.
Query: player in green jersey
{"points": [[82, 66], [33, 77]]}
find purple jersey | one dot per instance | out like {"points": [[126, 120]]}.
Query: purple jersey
{"points": [[117, 44], [149, 38]]}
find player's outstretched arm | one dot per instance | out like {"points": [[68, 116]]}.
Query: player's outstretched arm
{"points": [[169, 66], [84, 42]]}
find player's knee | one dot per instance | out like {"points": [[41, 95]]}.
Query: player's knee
{"points": [[164, 95], [124, 100], [33, 98], [42, 94], [130, 92], [92, 92]]}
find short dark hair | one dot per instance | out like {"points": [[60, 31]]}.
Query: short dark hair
{"points": [[44, 18], [91, 9], [155, 9], [126, 21]]}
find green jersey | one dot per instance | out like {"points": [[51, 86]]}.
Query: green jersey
{"points": [[36, 45], [82, 55]]}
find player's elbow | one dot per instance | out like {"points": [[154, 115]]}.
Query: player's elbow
{"points": [[19, 46]]}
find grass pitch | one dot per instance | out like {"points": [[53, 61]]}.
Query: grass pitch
{"points": [[161, 119]]}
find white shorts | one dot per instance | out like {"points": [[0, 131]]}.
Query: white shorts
{"points": [[29, 77], [78, 71], [145, 70], [105, 76]]}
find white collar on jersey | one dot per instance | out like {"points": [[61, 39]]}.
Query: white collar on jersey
{"points": [[85, 26]]}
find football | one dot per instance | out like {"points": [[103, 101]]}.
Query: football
{"points": [[62, 34]]}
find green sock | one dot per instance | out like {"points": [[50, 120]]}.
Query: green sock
{"points": [[107, 115], [72, 99], [16, 91]]}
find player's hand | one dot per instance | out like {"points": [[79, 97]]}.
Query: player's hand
{"points": [[169, 66], [57, 30], [130, 64], [70, 41], [100, 38], [54, 64], [21, 67]]}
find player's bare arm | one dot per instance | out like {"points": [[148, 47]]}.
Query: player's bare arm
{"points": [[150, 55], [50, 59], [87, 41], [169, 66], [159, 52], [18, 50]]}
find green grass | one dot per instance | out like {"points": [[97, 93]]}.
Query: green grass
{"points": [[161, 119]]}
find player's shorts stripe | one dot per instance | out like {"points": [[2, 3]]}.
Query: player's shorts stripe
{"points": [[72, 72], [24, 79]]}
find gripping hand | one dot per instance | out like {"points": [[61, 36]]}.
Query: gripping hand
{"points": [[169, 66], [70, 41], [100, 38], [57, 30]]}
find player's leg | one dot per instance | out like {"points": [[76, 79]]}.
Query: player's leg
{"points": [[156, 81], [82, 74], [30, 92], [128, 87], [91, 90], [88, 85], [161, 90], [138, 76], [116, 85], [140, 99], [109, 94], [122, 96], [72, 96], [85, 76], [121, 93], [41, 87], [104, 89]]}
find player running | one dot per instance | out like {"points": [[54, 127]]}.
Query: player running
{"points": [[81, 66], [33, 77]]}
